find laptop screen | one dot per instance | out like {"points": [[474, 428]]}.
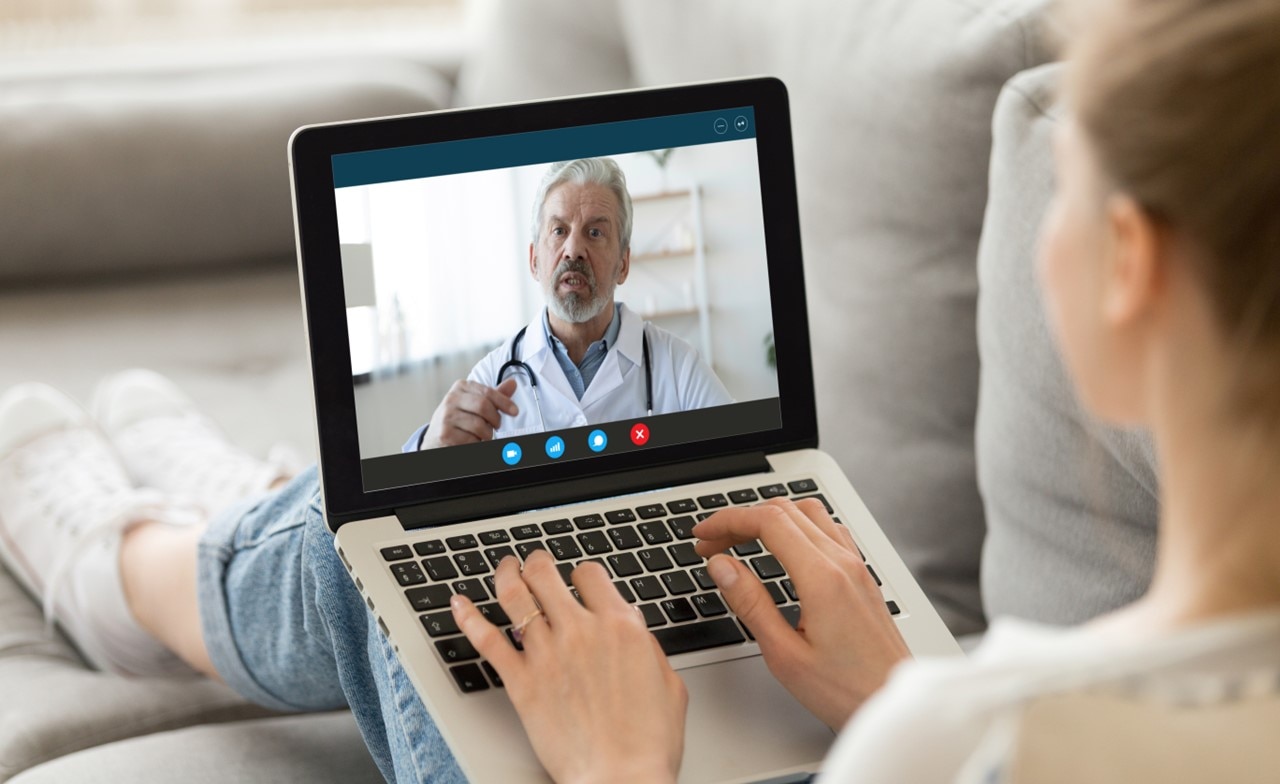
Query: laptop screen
{"points": [[556, 298]]}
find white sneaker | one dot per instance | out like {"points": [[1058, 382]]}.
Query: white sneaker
{"points": [[167, 443], [65, 500]]}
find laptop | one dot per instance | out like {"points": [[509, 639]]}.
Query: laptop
{"points": [[419, 243]]}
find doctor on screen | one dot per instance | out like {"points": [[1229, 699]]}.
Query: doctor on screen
{"points": [[585, 359]]}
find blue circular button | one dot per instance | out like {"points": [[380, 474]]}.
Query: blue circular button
{"points": [[555, 447], [597, 440], [511, 453], [721, 125]]}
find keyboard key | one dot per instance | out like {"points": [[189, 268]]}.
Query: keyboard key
{"points": [[713, 501], [557, 527], [625, 538], [408, 573], [472, 589], [566, 573], [792, 613], [625, 591], [440, 568], [519, 645], [772, 491], [494, 613], [775, 593], [748, 548], [682, 527], [703, 579], [650, 511], [747, 496], [704, 515], [684, 554], [821, 498], [594, 543], [468, 678], [893, 607], [429, 597], [457, 649], [434, 547], [464, 542], [525, 549], [678, 610], [625, 564], [495, 537], [655, 559], [492, 585], [698, 636], [648, 588], [652, 615], [620, 516], [471, 563], [768, 567], [589, 521], [874, 575], [655, 532], [790, 589], [439, 624], [496, 554], [563, 548], [803, 486], [678, 583], [709, 605], [682, 506], [397, 553], [526, 532], [492, 673]]}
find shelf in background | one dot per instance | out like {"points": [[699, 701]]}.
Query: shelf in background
{"points": [[664, 254], [684, 193]]}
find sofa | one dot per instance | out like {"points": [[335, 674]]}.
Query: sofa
{"points": [[146, 222]]}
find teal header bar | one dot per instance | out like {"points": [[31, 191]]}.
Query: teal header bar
{"points": [[559, 144]]}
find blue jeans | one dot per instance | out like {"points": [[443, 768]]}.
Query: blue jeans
{"points": [[286, 628]]}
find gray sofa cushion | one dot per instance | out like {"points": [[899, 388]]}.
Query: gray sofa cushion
{"points": [[105, 172], [324, 749], [1071, 503], [891, 109], [53, 704]]}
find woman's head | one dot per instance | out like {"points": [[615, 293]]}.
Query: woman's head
{"points": [[1168, 176]]}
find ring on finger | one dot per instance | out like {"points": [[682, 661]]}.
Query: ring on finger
{"points": [[517, 631]]}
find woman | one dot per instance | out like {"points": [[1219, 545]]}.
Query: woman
{"points": [[1160, 264]]}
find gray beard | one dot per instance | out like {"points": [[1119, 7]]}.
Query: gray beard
{"points": [[573, 307]]}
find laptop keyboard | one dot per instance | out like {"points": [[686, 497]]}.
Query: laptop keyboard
{"points": [[647, 550]]}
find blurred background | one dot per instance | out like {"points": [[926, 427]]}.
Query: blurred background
{"points": [[436, 275]]}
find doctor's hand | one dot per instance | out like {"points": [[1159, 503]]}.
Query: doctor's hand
{"points": [[470, 412], [592, 688], [846, 642]]}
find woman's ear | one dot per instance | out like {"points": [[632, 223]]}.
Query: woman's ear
{"points": [[1134, 273]]}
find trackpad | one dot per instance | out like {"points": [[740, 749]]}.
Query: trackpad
{"points": [[744, 726]]}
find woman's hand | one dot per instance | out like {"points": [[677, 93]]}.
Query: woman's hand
{"points": [[592, 687], [846, 643]]}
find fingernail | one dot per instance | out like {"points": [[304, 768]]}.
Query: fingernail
{"points": [[456, 603], [722, 571]]}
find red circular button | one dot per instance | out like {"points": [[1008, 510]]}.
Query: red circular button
{"points": [[639, 434]]}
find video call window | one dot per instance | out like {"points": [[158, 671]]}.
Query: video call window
{"points": [[442, 273]]}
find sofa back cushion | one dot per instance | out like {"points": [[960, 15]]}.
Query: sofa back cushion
{"points": [[139, 170], [891, 111], [1071, 503]]}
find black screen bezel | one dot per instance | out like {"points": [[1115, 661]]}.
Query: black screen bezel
{"points": [[311, 150]]}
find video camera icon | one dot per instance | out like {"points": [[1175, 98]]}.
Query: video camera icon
{"points": [[511, 453]]}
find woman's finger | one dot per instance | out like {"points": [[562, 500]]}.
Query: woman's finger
{"points": [[598, 594], [488, 639], [546, 584]]}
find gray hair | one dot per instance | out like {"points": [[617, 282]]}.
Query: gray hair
{"points": [[587, 171]]}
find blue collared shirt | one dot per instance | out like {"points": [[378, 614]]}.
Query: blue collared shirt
{"points": [[580, 375]]}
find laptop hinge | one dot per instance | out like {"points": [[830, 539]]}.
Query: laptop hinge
{"points": [[505, 502]]}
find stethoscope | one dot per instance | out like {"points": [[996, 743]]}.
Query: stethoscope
{"points": [[515, 364]]}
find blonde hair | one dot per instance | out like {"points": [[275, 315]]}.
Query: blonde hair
{"points": [[1179, 100]]}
